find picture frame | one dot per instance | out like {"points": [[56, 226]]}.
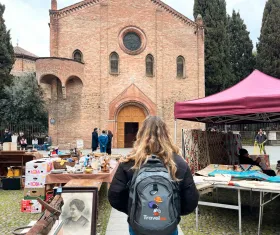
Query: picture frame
{"points": [[79, 212]]}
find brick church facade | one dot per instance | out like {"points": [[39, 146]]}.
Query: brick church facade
{"points": [[25, 62], [114, 62]]}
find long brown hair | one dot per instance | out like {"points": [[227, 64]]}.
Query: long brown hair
{"points": [[154, 138]]}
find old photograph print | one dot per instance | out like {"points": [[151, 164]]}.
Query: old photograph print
{"points": [[77, 213]]}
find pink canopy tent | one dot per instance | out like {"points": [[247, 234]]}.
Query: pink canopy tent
{"points": [[254, 99]]}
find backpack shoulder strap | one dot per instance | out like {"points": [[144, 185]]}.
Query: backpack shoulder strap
{"points": [[152, 161]]}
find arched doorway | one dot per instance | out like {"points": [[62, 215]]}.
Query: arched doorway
{"points": [[129, 120], [52, 87]]}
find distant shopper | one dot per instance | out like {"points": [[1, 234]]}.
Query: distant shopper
{"points": [[94, 140], [21, 134], [47, 143], [103, 141], [23, 142], [35, 143], [7, 136], [261, 140], [109, 145], [245, 159]]}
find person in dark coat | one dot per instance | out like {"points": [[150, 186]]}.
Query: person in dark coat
{"points": [[153, 139], [7, 136], [245, 159], [94, 140], [109, 144]]}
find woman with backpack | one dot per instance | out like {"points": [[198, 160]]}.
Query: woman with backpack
{"points": [[153, 185]]}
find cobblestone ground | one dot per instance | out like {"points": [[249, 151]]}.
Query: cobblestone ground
{"points": [[11, 217], [218, 221]]}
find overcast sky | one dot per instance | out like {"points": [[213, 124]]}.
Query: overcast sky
{"points": [[28, 19]]}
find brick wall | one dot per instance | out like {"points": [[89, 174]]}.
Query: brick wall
{"points": [[22, 66]]}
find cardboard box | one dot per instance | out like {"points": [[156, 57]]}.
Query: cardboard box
{"points": [[31, 206], [7, 146], [13, 146], [35, 181], [37, 167], [34, 193]]}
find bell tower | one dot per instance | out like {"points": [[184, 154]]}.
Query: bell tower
{"points": [[54, 5]]}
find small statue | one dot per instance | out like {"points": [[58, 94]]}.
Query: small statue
{"points": [[105, 167]]}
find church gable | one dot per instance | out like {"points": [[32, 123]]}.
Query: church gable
{"points": [[88, 3]]}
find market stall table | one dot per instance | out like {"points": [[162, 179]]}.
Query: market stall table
{"points": [[65, 178], [254, 187]]}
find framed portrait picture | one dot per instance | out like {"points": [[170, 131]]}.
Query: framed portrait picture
{"points": [[79, 212]]}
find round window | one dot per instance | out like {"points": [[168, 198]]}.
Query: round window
{"points": [[132, 41]]}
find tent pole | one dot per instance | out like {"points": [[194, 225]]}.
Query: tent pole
{"points": [[175, 131], [183, 144]]}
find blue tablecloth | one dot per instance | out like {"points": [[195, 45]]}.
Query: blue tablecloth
{"points": [[241, 175]]}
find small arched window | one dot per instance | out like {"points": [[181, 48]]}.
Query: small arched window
{"points": [[114, 63], [78, 56], [180, 67], [149, 65]]}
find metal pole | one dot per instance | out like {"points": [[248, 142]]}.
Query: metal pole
{"points": [[251, 202], [239, 212], [183, 144], [260, 213], [196, 213], [175, 131], [263, 204], [217, 195]]}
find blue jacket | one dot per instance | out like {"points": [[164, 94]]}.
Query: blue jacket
{"points": [[103, 140]]}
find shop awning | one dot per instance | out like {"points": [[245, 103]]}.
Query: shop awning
{"points": [[254, 99]]}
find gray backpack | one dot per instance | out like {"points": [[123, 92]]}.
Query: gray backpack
{"points": [[154, 200]]}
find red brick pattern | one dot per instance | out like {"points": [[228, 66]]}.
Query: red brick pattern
{"points": [[22, 66]]}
